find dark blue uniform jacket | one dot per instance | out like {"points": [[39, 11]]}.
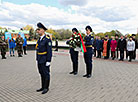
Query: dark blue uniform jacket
{"points": [[89, 42], [44, 50]]}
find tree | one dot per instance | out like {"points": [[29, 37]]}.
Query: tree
{"points": [[28, 27], [64, 33], [137, 37], [118, 32], [31, 34], [36, 36], [54, 33], [100, 35]]}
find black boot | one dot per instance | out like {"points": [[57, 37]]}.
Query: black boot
{"points": [[89, 72], [46, 86], [3, 57], [71, 72], [76, 69], [42, 83], [18, 55], [73, 69]]}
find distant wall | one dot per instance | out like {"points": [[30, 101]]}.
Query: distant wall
{"points": [[32, 47]]}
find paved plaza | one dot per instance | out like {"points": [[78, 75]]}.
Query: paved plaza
{"points": [[112, 81]]}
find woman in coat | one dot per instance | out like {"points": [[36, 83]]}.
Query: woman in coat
{"points": [[130, 48], [113, 46]]}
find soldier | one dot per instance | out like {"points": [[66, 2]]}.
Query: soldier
{"points": [[3, 46], [43, 57], [89, 39], [19, 45], [74, 43]]}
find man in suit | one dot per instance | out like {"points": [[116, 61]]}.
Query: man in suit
{"points": [[122, 47], [43, 57]]}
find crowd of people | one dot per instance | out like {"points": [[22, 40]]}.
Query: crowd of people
{"points": [[106, 48], [19, 44]]}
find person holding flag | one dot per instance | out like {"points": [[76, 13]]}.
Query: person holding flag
{"points": [[76, 44], [89, 39]]}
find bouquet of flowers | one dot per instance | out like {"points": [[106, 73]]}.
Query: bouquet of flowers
{"points": [[76, 42]]}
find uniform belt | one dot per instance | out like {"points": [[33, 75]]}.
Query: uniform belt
{"points": [[41, 53], [89, 46]]}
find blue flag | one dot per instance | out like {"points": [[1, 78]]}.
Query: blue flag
{"points": [[7, 35]]}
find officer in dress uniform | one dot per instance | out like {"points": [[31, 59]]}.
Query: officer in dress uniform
{"points": [[89, 39], [74, 53], [43, 57]]}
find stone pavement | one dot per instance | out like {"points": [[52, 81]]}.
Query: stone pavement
{"points": [[112, 81]]}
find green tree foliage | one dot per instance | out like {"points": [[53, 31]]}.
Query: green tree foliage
{"points": [[31, 31], [64, 33], [111, 33], [61, 34], [100, 34], [28, 27], [31, 34], [137, 36], [54, 34]]}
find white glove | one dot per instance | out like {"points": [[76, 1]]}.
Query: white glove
{"points": [[77, 49], [47, 63]]}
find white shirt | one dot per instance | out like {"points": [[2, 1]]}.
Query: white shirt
{"points": [[89, 34], [41, 37]]}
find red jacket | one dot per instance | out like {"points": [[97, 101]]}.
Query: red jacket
{"points": [[113, 45]]}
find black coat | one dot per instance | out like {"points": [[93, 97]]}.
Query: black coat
{"points": [[136, 44], [121, 44]]}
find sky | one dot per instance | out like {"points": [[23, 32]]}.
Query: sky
{"points": [[101, 15]]}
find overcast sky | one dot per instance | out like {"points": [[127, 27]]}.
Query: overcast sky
{"points": [[102, 15]]}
